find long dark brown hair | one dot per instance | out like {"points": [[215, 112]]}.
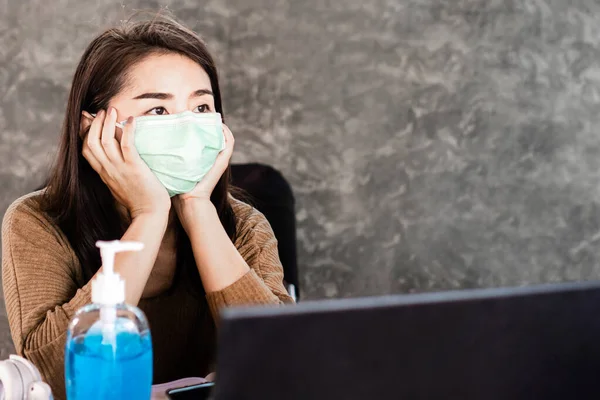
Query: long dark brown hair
{"points": [[75, 197]]}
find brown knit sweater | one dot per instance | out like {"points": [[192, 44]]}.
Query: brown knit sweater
{"points": [[44, 287]]}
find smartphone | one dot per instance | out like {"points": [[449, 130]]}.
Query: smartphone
{"points": [[201, 391]]}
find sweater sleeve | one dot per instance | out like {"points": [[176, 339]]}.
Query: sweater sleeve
{"points": [[40, 290], [263, 284]]}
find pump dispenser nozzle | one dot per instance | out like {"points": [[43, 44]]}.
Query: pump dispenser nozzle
{"points": [[109, 288]]}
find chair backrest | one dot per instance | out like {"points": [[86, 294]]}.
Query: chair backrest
{"points": [[271, 194]]}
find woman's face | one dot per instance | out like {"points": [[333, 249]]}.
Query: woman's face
{"points": [[164, 84]]}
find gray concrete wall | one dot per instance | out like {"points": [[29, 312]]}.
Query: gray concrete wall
{"points": [[431, 144]]}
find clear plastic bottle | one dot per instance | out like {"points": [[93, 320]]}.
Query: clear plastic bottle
{"points": [[108, 354]]}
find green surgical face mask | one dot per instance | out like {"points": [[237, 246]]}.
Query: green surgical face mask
{"points": [[179, 148]]}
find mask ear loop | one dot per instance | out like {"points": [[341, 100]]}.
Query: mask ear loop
{"points": [[118, 124]]}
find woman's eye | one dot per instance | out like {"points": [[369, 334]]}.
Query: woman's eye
{"points": [[158, 111], [203, 108]]}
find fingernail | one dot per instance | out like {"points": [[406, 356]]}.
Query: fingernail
{"points": [[129, 120], [113, 112]]}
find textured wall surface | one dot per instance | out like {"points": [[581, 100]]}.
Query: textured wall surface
{"points": [[431, 144]]}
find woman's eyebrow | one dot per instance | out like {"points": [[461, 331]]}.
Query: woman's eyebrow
{"points": [[159, 96], [202, 92], [168, 96]]}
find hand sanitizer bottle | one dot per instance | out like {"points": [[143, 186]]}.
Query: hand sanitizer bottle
{"points": [[108, 354]]}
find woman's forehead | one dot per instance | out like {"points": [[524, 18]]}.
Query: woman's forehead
{"points": [[166, 73]]}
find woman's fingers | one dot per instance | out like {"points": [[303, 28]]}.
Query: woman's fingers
{"points": [[91, 159], [93, 140], [229, 139], [109, 143], [225, 155], [130, 154], [222, 161]]}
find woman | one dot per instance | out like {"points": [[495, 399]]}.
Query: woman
{"points": [[204, 250]]}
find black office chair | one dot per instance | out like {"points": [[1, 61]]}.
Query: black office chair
{"points": [[271, 194]]}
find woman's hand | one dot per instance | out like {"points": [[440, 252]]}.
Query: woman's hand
{"points": [[217, 259], [120, 167], [188, 204]]}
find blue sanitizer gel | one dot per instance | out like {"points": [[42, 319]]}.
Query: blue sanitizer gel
{"points": [[108, 354], [118, 368]]}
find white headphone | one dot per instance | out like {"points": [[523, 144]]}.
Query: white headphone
{"points": [[21, 380]]}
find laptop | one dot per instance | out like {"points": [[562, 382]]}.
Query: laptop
{"points": [[537, 342]]}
